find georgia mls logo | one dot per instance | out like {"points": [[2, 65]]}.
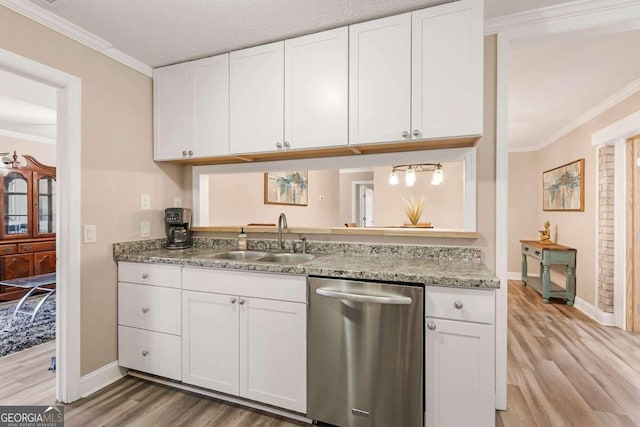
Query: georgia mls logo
{"points": [[32, 416]]}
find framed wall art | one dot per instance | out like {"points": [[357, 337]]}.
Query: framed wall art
{"points": [[563, 188], [286, 188]]}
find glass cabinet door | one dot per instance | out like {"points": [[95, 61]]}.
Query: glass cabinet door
{"points": [[16, 204], [46, 205]]}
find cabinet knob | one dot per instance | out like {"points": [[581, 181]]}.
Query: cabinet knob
{"points": [[145, 310], [241, 302], [286, 145], [184, 153], [7, 250], [145, 275], [144, 353], [27, 248], [279, 145], [416, 132], [458, 305], [405, 134], [431, 326], [232, 300], [190, 153]]}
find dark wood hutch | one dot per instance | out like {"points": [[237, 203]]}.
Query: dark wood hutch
{"points": [[27, 223]]}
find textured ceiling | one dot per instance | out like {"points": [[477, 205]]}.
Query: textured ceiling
{"points": [[162, 32], [556, 79]]}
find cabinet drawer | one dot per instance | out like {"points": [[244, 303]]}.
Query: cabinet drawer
{"points": [[260, 285], [460, 304], [531, 251], [152, 352], [36, 247], [8, 249], [149, 307], [149, 274]]}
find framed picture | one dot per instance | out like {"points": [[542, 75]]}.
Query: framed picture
{"points": [[286, 188], [563, 188]]}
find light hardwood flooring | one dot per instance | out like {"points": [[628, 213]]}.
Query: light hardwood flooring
{"points": [[564, 370]]}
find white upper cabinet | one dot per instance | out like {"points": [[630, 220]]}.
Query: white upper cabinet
{"points": [[191, 109], [380, 80], [447, 70], [257, 99], [211, 106], [316, 90], [173, 112]]}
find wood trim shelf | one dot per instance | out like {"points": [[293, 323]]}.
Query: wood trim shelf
{"points": [[348, 150], [354, 231]]}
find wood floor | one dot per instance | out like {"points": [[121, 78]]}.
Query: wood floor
{"points": [[564, 370]]}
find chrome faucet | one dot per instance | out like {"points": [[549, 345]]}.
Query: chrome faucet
{"points": [[282, 223]]}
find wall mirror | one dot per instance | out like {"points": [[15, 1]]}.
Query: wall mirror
{"points": [[352, 192]]}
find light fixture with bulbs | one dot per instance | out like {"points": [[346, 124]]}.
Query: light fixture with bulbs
{"points": [[411, 170]]}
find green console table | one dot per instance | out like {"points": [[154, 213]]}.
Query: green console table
{"points": [[548, 255]]}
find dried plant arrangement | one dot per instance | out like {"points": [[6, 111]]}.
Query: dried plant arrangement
{"points": [[413, 208]]}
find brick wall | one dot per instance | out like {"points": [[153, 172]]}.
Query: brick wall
{"points": [[605, 231]]}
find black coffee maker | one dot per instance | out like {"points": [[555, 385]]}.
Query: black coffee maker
{"points": [[177, 225]]}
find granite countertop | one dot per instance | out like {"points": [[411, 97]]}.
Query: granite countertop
{"points": [[428, 271]]}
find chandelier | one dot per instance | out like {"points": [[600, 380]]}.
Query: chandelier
{"points": [[410, 173]]}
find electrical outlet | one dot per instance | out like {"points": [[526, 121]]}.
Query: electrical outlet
{"points": [[90, 235], [177, 202], [145, 201], [145, 229]]}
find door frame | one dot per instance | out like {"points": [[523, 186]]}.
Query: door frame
{"points": [[68, 164], [355, 196]]}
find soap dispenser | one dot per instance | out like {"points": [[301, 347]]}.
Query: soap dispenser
{"points": [[242, 240]]}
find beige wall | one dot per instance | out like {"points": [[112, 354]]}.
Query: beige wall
{"points": [[443, 204], [44, 153], [117, 165], [239, 199], [575, 229], [346, 193]]}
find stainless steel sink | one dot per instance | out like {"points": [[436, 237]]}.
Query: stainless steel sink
{"points": [[286, 258], [241, 255]]}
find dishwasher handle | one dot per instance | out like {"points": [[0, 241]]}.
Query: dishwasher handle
{"points": [[397, 300]]}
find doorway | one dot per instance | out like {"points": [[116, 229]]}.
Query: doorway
{"points": [[362, 203]]}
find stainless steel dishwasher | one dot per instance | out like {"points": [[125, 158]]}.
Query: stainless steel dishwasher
{"points": [[364, 353]]}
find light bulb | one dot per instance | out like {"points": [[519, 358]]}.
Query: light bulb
{"points": [[410, 177], [393, 178], [437, 177]]}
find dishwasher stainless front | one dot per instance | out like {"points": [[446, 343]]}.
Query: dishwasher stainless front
{"points": [[364, 353]]}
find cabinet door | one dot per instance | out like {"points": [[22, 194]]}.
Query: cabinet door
{"points": [[316, 78], [172, 112], [210, 78], [44, 262], [257, 98], [210, 341], [380, 80], [16, 205], [273, 353], [460, 374], [447, 70], [16, 266], [44, 212]]}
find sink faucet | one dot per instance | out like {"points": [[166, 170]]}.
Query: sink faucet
{"points": [[282, 224]]}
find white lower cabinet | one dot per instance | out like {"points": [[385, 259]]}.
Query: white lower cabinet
{"points": [[242, 345], [459, 359], [148, 351]]}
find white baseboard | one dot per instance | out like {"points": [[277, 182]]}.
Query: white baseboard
{"points": [[100, 378], [606, 319], [514, 275]]}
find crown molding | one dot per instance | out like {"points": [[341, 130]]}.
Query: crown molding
{"points": [[68, 29], [26, 136], [591, 12]]}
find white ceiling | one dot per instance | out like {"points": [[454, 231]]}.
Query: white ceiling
{"points": [[556, 80], [162, 32]]}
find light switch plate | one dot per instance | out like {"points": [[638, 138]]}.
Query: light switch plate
{"points": [[90, 234], [177, 202], [145, 229], [145, 201]]}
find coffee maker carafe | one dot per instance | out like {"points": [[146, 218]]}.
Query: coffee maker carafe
{"points": [[177, 225]]}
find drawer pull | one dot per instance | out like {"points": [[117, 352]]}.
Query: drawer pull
{"points": [[7, 250], [458, 305], [145, 310], [537, 252], [27, 248], [431, 326], [145, 275], [526, 249], [144, 353], [241, 302], [232, 300]]}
